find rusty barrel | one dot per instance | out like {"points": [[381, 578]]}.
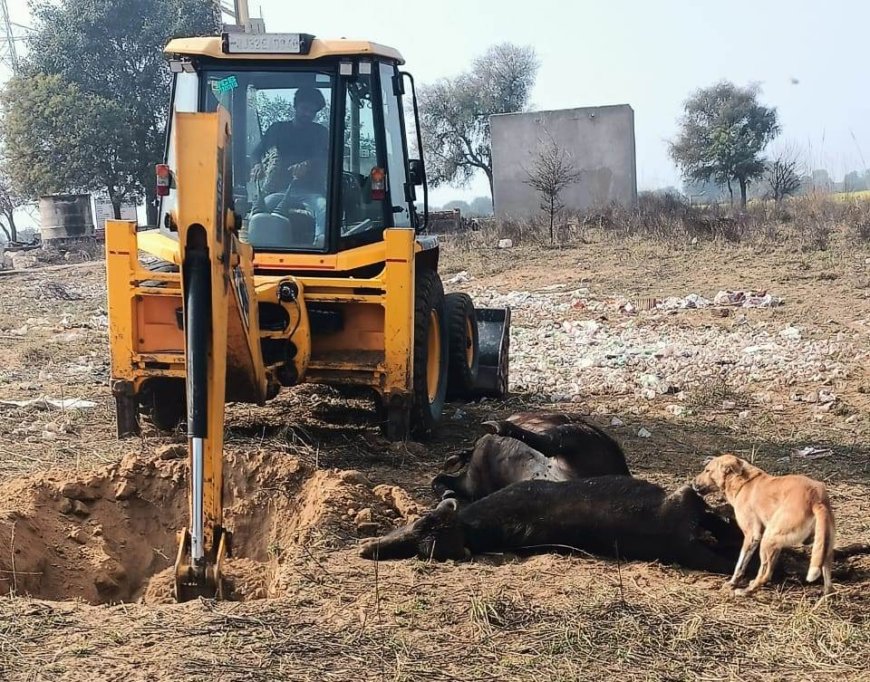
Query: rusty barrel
{"points": [[65, 216]]}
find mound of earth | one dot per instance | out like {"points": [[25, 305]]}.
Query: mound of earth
{"points": [[111, 536]]}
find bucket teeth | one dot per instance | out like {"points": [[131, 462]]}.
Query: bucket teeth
{"points": [[205, 580]]}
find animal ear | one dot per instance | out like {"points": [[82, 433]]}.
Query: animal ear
{"points": [[734, 466]]}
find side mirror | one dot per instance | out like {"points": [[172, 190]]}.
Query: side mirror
{"points": [[416, 172]]}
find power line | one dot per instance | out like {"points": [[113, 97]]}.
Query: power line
{"points": [[8, 37]]}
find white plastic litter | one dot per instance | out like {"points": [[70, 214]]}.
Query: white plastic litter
{"points": [[747, 299], [43, 403], [811, 452], [460, 278]]}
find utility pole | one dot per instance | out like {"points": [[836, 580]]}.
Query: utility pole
{"points": [[238, 11], [8, 51], [241, 17], [242, 14]]}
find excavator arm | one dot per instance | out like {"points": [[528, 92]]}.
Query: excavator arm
{"points": [[218, 319]]}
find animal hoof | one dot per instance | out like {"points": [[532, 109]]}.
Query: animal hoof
{"points": [[492, 427], [448, 495]]}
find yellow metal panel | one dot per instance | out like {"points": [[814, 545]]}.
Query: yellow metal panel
{"points": [[164, 358], [363, 331], [211, 47], [121, 264], [399, 313], [343, 261], [160, 245], [157, 324]]}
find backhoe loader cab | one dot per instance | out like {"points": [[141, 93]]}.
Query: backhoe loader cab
{"points": [[291, 248]]}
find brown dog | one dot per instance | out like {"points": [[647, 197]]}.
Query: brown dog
{"points": [[773, 512]]}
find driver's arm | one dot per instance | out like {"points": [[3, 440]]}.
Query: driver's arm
{"points": [[269, 140]]}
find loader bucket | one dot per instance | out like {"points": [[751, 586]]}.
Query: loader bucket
{"points": [[493, 330]]}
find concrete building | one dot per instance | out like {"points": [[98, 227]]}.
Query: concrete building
{"points": [[600, 141]]}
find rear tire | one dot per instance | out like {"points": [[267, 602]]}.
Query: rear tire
{"points": [[463, 345], [430, 353]]}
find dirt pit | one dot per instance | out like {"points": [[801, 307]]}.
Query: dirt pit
{"points": [[111, 537]]}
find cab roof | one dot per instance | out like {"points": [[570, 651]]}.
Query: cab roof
{"points": [[211, 46]]}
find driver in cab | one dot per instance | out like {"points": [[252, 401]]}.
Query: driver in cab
{"points": [[301, 148]]}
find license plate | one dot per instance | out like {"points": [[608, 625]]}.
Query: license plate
{"points": [[266, 43]]}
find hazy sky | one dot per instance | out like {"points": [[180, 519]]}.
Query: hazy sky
{"points": [[649, 54]]}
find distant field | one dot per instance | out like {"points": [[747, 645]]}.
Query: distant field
{"points": [[849, 196]]}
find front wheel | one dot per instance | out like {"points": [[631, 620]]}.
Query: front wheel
{"points": [[463, 344], [430, 353]]}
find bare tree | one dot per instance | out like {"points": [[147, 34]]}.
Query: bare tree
{"points": [[552, 171], [8, 201], [454, 112], [783, 173]]}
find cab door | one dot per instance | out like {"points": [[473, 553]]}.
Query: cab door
{"points": [[398, 195]]}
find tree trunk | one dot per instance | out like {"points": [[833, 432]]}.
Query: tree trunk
{"points": [[730, 192], [743, 185], [552, 219], [116, 203], [151, 205], [488, 172], [11, 231]]}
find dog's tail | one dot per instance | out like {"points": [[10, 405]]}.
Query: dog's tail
{"points": [[823, 541]]}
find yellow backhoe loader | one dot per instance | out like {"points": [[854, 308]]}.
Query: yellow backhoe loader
{"points": [[290, 249]]}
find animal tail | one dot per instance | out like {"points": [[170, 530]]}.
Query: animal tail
{"points": [[823, 541]]}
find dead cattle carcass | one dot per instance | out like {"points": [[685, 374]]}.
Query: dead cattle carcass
{"points": [[530, 446], [607, 515]]}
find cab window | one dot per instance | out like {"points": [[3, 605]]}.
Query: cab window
{"points": [[281, 153], [397, 169], [361, 211]]}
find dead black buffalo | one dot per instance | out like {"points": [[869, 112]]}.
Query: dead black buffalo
{"points": [[529, 446], [580, 447], [605, 515]]}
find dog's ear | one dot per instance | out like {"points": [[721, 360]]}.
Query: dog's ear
{"points": [[732, 466]]}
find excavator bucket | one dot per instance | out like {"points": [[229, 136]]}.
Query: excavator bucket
{"points": [[204, 580], [493, 330]]}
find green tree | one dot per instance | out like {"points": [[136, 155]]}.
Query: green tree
{"points": [[61, 139], [111, 53], [723, 131], [454, 112]]}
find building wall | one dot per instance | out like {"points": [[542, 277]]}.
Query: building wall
{"points": [[600, 141]]}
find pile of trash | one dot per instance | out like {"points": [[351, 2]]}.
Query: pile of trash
{"points": [[622, 351]]}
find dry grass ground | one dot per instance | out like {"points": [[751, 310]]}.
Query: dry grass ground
{"points": [[334, 616]]}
